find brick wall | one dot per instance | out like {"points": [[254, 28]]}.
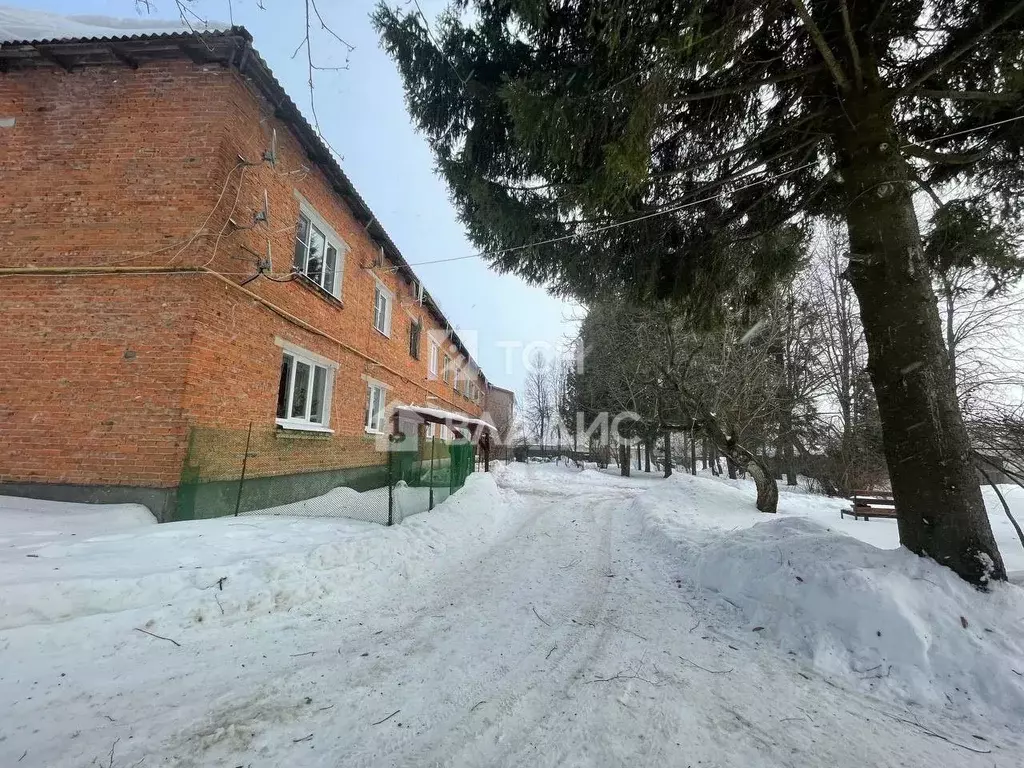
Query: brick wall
{"points": [[92, 374], [105, 375]]}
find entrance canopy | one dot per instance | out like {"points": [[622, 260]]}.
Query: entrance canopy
{"points": [[461, 422]]}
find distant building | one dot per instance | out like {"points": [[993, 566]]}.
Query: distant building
{"points": [[180, 254], [500, 404]]}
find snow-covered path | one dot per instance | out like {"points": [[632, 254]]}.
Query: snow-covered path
{"points": [[571, 638]]}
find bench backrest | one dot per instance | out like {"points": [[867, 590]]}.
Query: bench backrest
{"points": [[873, 499]]}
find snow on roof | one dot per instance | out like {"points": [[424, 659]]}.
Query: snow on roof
{"points": [[451, 416], [21, 25]]}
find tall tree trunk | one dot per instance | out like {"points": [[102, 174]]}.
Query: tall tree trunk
{"points": [[624, 459], [648, 450], [731, 465], [693, 453], [668, 453], [938, 497], [704, 454]]}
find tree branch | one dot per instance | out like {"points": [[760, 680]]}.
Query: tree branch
{"points": [[858, 74], [819, 42], [952, 95], [960, 50], [944, 158]]}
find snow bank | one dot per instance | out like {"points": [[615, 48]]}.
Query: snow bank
{"points": [[880, 620], [167, 572]]}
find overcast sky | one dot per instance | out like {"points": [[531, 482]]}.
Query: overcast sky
{"points": [[362, 114]]}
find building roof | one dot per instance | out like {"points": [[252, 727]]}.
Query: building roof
{"points": [[30, 39]]}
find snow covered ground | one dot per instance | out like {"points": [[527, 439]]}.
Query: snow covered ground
{"points": [[553, 617]]}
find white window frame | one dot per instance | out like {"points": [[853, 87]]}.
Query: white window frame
{"points": [[380, 291], [446, 372], [375, 419], [314, 361], [432, 358], [331, 239], [428, 433]]}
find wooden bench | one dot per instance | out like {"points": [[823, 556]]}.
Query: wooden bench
{"points": [[868, 504]]}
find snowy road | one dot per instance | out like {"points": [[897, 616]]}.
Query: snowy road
{"points": [[571, 639]]}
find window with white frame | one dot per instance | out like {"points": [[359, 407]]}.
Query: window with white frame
{"points": [[319, 253], [429, 432], [446, 374], [304, 391], [382, 309], [435, 353], [375, 399]]}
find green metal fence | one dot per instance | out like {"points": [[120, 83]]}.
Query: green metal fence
{"points": [[267, 471]]}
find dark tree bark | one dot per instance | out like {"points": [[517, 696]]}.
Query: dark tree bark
{"points": [[938, 497], [648, 450], [693, 454], [731, 465], [704, 454], [668, 453], [767, 490], [625, 459]]}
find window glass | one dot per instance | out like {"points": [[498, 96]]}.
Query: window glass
{"points": [[315, 262], [284, 387], [330, 269], [316, 408], [301, 243], [300, 392]]}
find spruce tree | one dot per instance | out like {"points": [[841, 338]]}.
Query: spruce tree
{"points": [[710, 127]]}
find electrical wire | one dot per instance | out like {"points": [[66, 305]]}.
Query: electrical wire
{"points": [[674, 208], [195, 235], [227, 221]]}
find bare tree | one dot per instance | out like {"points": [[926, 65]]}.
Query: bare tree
{"points": [[538, 399]]}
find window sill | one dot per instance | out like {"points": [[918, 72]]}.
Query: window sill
{"points": [[296, 426], [373, 432], [316, 288], [385, 335]]}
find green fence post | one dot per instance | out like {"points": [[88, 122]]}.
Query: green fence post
{"points": [[391, 498], [245, 462], [433, 449]]}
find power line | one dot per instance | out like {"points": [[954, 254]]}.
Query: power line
{"points": [[972, 130], [674, 208]]}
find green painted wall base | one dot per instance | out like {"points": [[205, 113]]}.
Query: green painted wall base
{"points": [[202, 500]]}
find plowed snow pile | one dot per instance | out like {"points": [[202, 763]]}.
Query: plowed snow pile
{"points": [[882, 620]]}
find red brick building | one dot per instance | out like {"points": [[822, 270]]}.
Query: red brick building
{"points": [[180, 257]]}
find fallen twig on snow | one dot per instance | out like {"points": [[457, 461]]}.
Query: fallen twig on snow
{"points": [[698, 666], [158, 637], [304, 738], [926, 730], [539, 616], [387, 718], [477, 704], [570, 564], [550, 652], [627, 631], [307, 653], [635, 676]]}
